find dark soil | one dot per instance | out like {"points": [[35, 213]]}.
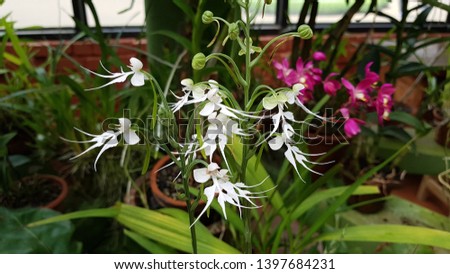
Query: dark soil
{"points": [[168, 184], [32, 192]]}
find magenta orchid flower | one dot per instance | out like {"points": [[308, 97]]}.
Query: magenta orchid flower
{"points": [[351, 125], [305, 74], [384, 102], [358, 93], [331, 86], [371, 76], [283, 71]]}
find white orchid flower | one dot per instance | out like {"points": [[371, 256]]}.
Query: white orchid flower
{"points": [[201, 93], [285, 137], [293, 154], [278, 100], [214, 101], [137, 80], [226, 191], [196, 91], [108, 139], [221, 127], [211, 94]]}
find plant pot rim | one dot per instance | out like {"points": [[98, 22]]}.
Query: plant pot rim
{"points": [[162, 198], [59, 181]]}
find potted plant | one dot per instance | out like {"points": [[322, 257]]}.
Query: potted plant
{"points": [[37, 190], [165, 183]]}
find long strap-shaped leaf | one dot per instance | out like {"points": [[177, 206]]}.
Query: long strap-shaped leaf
{"points": [[347, 193], [324, 195], [158, 226], [391, 233]]}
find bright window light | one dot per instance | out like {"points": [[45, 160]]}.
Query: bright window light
{"points": [[41, 13], [118, 13]]}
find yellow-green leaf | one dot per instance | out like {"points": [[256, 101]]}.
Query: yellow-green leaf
{"points": [[391, 233]]}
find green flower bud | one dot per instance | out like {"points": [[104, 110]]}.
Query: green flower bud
{"points": [[268, 2], [199, 61], [207, 17], [233, 31], [305, 32]]}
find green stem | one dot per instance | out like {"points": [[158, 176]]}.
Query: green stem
{"points": [[234, 72], [390, 78], [132, 183], [264, 49], [197, 32], [246, 211], [189, 206]]}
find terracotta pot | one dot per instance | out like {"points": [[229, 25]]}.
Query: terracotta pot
{"points": [[64, 190], [161, 198], [25, 193]]}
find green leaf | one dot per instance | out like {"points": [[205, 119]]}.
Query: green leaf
{"points": [[102, 213], [148, 153], [184, 6], [17, 238], [437, 3], [183, 41], [414, 68], [257, 175], [18, 160], [320, 196], [395, 133], [15, 41], [155, 226], [171, 231], [408, 119], [6, 138], [421, 18], [391, 233], [12, 58], [330, 211], [150, 246], [78, 90]]}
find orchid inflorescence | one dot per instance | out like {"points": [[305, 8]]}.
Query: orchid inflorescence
{"points": [[225, 120], [365, 96]]}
